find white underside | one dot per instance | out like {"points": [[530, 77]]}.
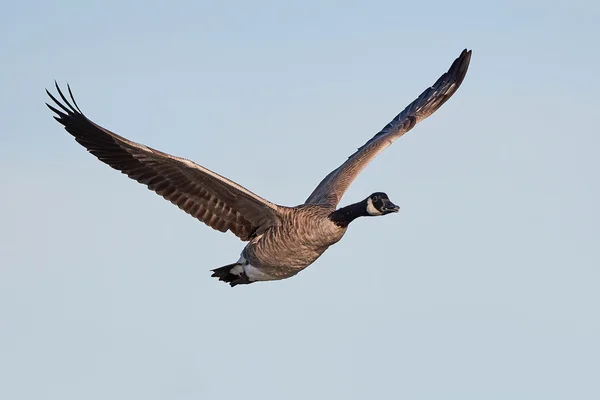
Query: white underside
{"points": [[237, 270], [253, 273]]}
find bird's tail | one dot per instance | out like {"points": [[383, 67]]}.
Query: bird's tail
{"points": [[233, 274]]}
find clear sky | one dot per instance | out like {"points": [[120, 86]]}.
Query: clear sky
{"points": [[484, 286]]}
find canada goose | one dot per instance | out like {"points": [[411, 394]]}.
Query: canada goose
{"points": [[282, 240]]}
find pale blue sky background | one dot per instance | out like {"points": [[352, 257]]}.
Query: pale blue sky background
{"points": [[484, 286]]}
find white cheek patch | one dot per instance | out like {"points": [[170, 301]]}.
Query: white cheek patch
{"points": [[371, 210]]}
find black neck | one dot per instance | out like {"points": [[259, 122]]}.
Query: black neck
{"points": [[345, 215]]}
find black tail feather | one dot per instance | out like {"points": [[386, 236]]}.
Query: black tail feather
{"points": [[224, 274]]}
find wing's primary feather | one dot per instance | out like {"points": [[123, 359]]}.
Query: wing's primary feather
{"points": [[218, 202], [333, 186]]}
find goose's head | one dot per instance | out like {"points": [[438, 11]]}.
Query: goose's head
{"points": [[376, 204], [380, 204]]}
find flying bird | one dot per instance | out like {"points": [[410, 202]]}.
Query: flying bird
{"points": [[282, 241]]}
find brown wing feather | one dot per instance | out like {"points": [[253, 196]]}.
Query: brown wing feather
{"points": [[205, 195], [332, 188]]}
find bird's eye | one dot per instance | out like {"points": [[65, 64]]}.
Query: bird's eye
{"points": [[376, 198]]}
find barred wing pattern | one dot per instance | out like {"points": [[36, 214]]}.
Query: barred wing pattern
{"points": [[205, 195]]}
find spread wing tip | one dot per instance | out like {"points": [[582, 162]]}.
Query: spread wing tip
{"points": [[68, 108]]}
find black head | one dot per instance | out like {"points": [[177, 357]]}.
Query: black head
{"points": [[379, 204]]}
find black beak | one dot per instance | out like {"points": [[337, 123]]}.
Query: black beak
{"points": [[389, 207]]}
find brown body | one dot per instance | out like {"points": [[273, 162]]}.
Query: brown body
{"points": [[304, 234]]}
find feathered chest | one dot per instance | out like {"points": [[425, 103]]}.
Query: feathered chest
{"points": [[302, 236], [310, 225]]}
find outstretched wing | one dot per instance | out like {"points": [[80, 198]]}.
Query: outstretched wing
{"points": [[205, 195], [332, 188]]}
